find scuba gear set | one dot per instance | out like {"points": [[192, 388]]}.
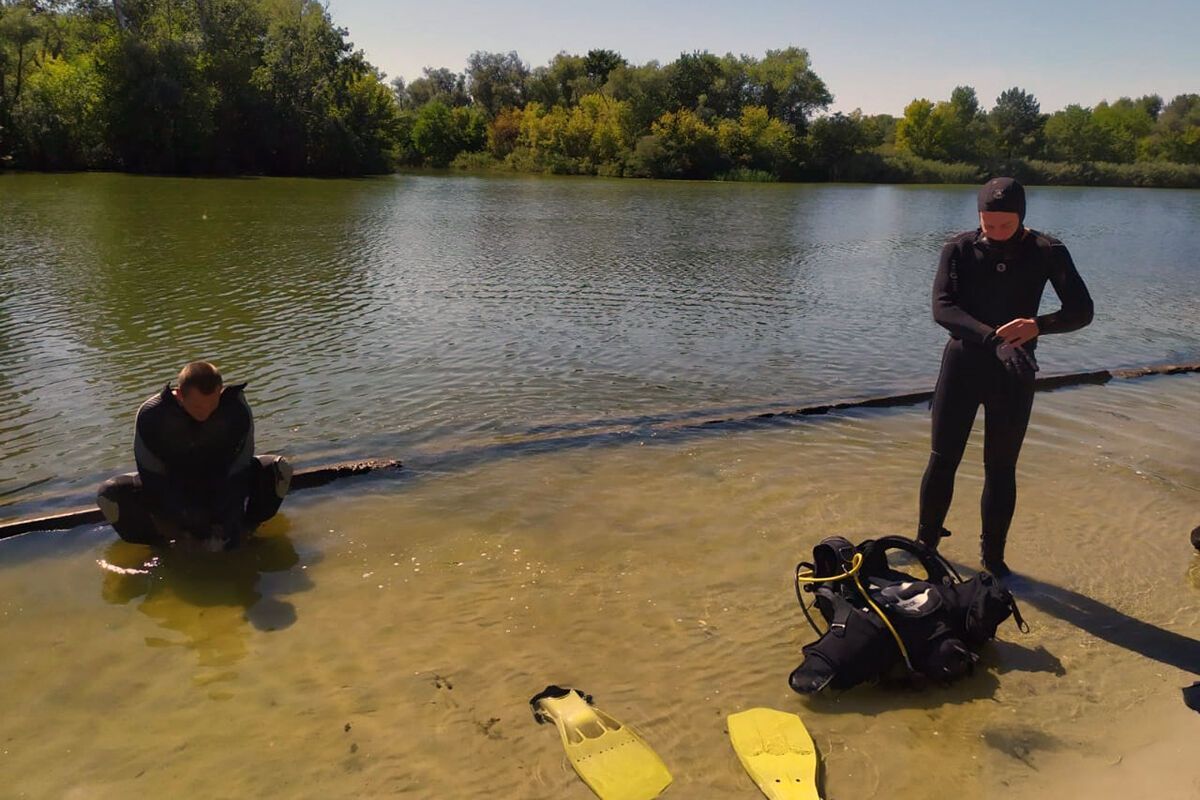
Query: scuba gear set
{"points": [[878, 616]]}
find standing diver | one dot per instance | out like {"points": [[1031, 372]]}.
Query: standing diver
{"points": [[198, 479], [988, 287]]}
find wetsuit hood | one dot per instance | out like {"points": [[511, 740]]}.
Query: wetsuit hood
{"points": [[1003, 194]]}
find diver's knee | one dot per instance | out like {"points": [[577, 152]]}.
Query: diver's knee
{"points": [[1000, 469], [281, 470], [112, 494], [107, 502]]}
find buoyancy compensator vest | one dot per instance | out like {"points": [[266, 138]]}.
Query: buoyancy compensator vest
{"points": [[879, 617]]}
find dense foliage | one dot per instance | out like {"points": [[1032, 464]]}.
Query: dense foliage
{"points": [[274, 87], [189, 86]]}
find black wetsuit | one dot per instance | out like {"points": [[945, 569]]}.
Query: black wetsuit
{"points": [[197, 476], [981, 285], [194, 469]]}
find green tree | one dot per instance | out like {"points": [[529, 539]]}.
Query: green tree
{"points": [[598, 63], [543, 88], [680, 145], [440, 133], [504, 132], [1152, 104], [646, 89], [361, 130], [962, 128], [784, 82], [1176, 135], [756, 141], [916, 131], [169, 86], [446, 86], [59, 116], [580, 139], [231, 36], [691, 79], [157, 105], [835, 140], [564, 81], [496, 80], [1017, 123], [608, 125], [19, 34], [1073, 136], [879, 130], [434, 134], [1124, 123]]}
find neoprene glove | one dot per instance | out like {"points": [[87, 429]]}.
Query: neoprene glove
{"points": [[1019, 362]]}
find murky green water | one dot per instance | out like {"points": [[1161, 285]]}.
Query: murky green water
{"points": [[382, 637], [421, 314]]}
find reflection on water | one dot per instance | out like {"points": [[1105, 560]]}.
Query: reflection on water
{"points": [[419, 314], [205, 600]]}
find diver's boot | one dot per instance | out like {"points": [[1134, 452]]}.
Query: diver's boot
{"points": [[931, 535], [991, 554]]}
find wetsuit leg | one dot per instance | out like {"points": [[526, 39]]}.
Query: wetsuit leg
{"points": [[955, 403], [1007, 406], [270, 478], [124, 503]]}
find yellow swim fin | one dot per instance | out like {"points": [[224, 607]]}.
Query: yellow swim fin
{"points": [[777, 751], [610, 758]]}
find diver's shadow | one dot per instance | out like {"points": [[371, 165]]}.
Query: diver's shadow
{"points": [[209, 597], [1107, 623], [1001, 656]]}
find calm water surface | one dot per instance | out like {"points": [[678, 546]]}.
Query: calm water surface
{"points": [[386, 317]]}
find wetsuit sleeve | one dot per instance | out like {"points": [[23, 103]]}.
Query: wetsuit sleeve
{"points": [[243, 451], [229, 498], [244, 437], [946, 309], [162, 480], [1077, 307]]}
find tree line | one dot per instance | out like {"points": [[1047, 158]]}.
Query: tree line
{"points": [[275, 87], [189, 87]]}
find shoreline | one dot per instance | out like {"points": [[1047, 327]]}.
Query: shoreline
{"points": [[667, 424], [499, 168]]}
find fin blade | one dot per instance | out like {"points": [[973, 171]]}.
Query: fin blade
{"points": [[608, 756], [777, 752]]}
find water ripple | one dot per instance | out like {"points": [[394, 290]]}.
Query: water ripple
{"points": [[459, 308]]}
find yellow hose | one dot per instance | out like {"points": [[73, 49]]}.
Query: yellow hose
{"points": [[855, 566]]}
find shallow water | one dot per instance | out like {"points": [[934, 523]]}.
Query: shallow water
{"points": [[383, 636]]}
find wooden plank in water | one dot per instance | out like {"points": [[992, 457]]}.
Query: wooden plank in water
{"points": [[302, 479]]}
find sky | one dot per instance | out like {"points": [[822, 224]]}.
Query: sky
{"points": [[873, 55]]}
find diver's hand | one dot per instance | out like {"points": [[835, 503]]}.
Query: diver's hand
{"points": [[1020, 363], [1019, 331]]}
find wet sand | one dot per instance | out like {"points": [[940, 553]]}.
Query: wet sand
{"points": [[382, 640]]}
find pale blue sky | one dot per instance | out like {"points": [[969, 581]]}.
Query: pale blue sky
{"points": [[872, 54]]}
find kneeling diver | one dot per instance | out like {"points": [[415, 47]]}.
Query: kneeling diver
{"points": [[197, 477]]}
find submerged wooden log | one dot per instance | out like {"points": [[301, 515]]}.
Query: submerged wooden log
{"points": [[302, 479], [1044, 384], [319, 476]]}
